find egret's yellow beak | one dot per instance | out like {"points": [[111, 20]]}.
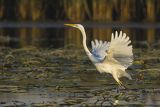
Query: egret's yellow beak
{"points": [[72, 25]]}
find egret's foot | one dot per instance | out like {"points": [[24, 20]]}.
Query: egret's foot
{"points": [[122, 85]]}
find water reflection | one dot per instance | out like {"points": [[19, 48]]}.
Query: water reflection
{"points": [[60, 37], [22, 37]]}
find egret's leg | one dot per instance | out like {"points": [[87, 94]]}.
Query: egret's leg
{"points": [[119, 84]]}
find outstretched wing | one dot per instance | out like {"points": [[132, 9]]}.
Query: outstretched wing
{"points": [[99, 49], [120, 49]]}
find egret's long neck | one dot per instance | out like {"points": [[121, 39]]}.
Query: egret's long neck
{"points": [[84, 42]]}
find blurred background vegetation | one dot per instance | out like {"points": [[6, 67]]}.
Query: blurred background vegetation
{"points": [[40, 22]]}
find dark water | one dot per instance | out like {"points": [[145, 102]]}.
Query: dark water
{"points": [[65, 77], [56, 35]]}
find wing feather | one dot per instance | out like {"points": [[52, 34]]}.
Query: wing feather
{"points": [[93, 44], [99, 49], [120, 49]]}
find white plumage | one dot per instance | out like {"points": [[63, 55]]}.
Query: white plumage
{"points": [[99, 49], [116, 56], [112, 57]]}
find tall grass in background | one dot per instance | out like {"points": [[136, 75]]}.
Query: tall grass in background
{"points": [[31, 10], [150, 8], [75, 12]]}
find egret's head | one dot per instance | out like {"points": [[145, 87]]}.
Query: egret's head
{"points": [[79, 26]]}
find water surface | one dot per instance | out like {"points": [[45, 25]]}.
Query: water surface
{"points": [[37, 77]]}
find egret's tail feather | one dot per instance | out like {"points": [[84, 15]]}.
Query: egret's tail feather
{"points": [[122, 73]]}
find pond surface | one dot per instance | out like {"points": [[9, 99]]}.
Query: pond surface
{"points": [[65, 77], [56, 35]]}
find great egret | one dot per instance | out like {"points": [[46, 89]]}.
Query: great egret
{"points": [[110, 57]]}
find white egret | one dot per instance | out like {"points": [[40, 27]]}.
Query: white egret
{"points": [[112, 57]]}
